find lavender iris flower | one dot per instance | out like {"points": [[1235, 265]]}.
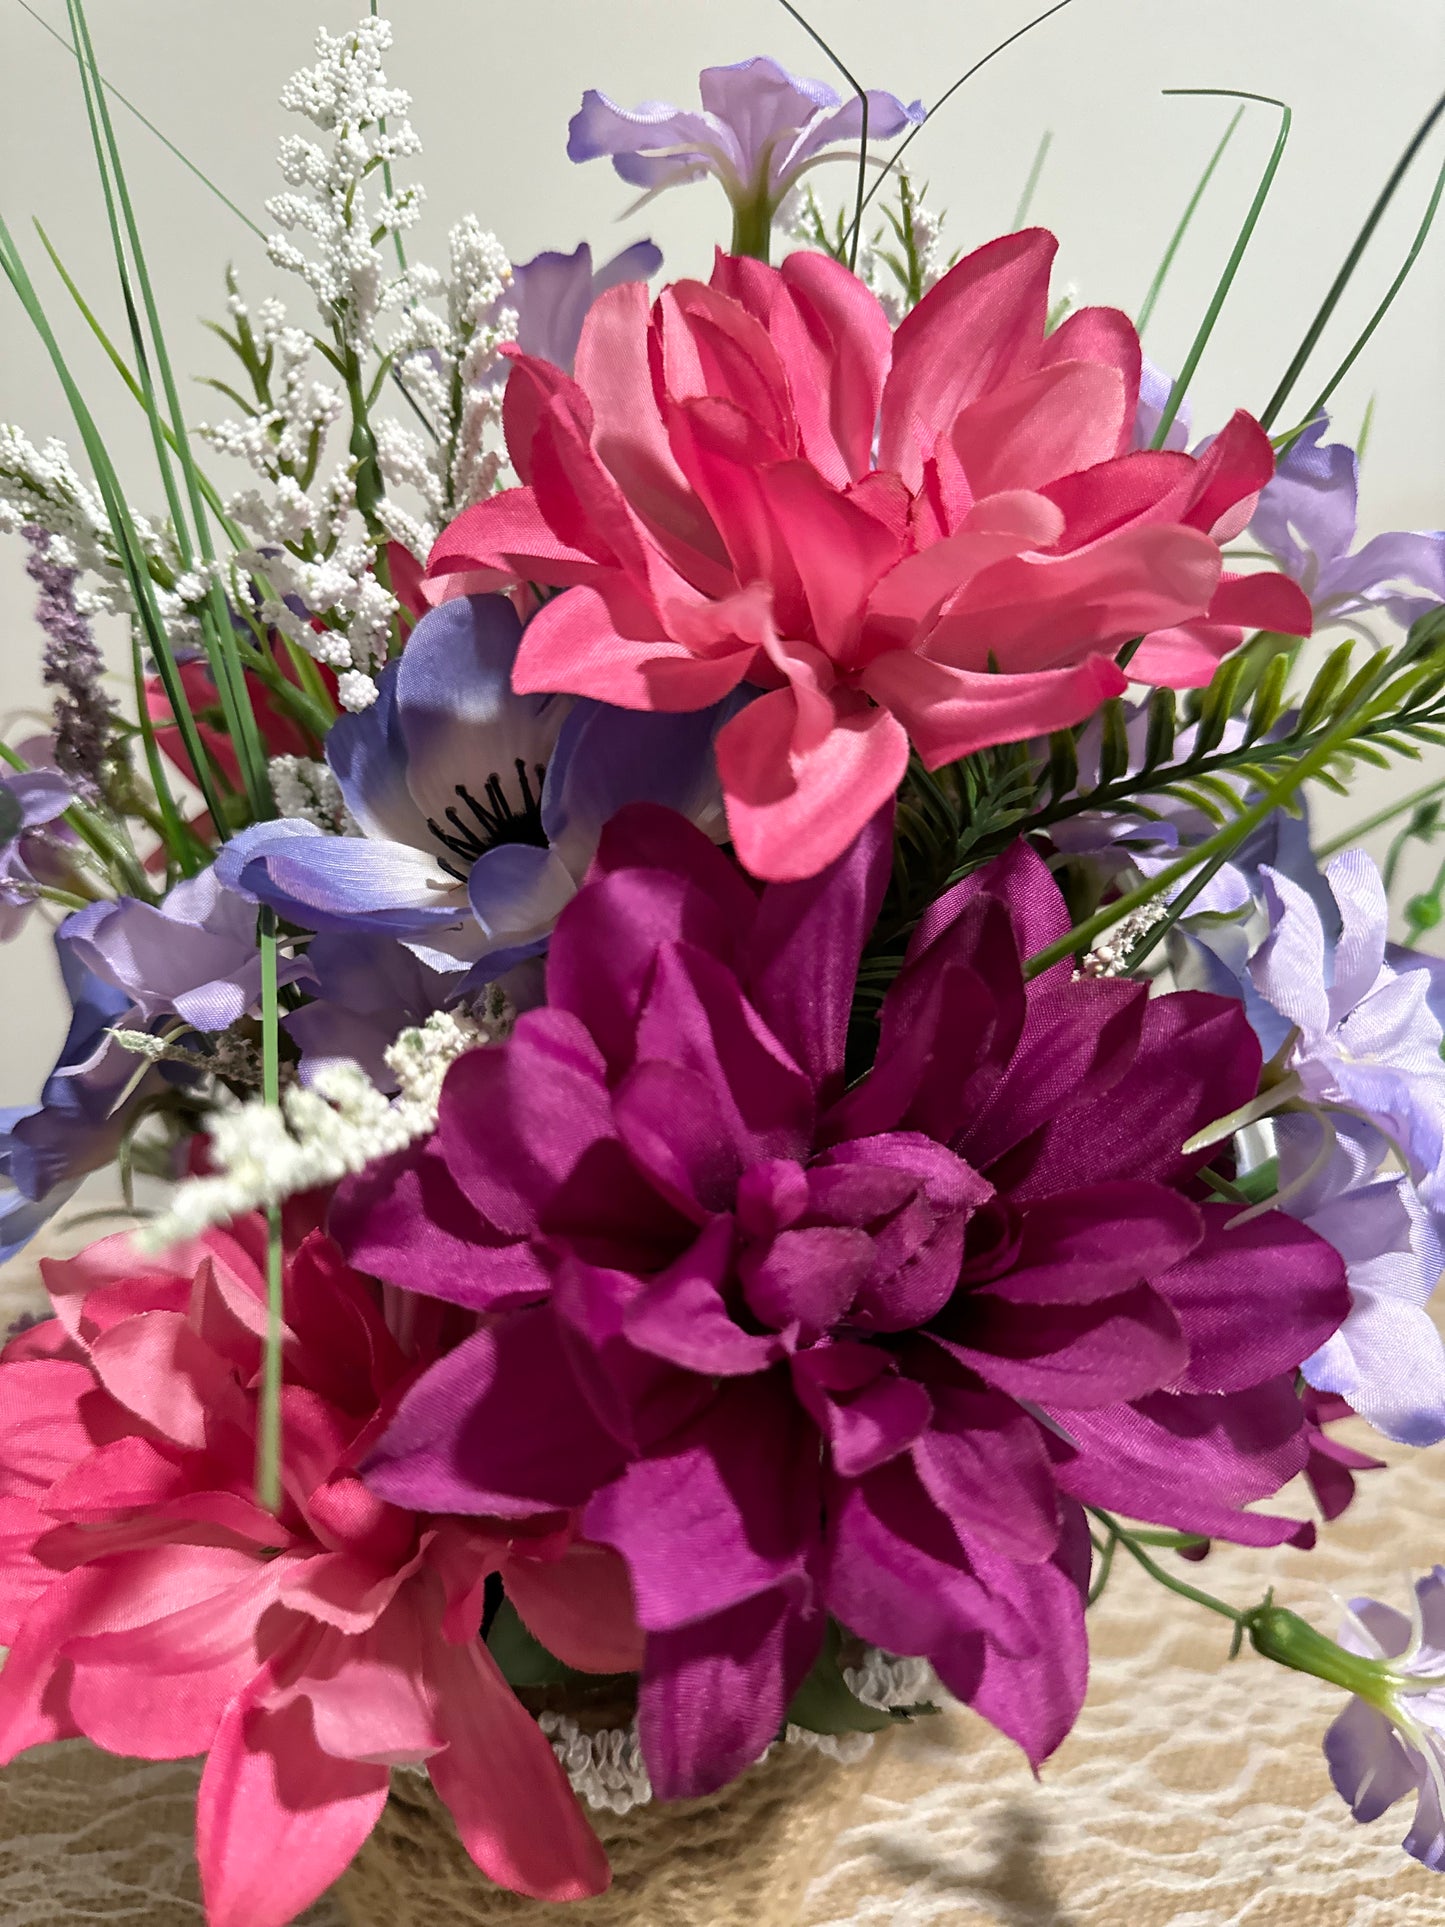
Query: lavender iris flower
{"points": [[759, 131], [1306, 519], [86, 1105], [1390, 1739], [479, 809], [194, 956], [551, 294], [31, 801]]}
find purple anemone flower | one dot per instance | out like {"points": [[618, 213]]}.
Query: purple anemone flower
{"points": [[1390, 1740], [759, 131], [479, 809], [32, 802], [1306, 520], [552, 293], [799, 1348]]}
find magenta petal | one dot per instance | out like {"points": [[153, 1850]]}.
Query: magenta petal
{"points": [[1070, 1355], [899, 1576], [1034, 1699], [807, 940], [984, 1465], [670, 1121], [637, 1394], [867, 1413], [1211, 1293], [1080, 1246], [680, 1314], [696, 1016], [724, 1510], [714, 1694], [1192, 1463], [465, 1438], [405, 1220], [807, 1278], [547, 1079]]}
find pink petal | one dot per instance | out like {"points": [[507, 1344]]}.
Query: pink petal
{"points": [[791, 814], [1107, 336], [532, 386], [1041, 611], [159, 1368], [1187, 655], [503, 540], [574, 645], [44, 1433], [1054, 422], [910, 594], [278, 1820], [35, 1680], [514, 1810], [837, 547], [580, 1606], [982, 325], [836, 352], [370, 1696], [1228, 477], [631, 442], [950, 713]]}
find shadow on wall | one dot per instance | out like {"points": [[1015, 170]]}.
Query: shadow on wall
{"points": [[1015, 1890]]}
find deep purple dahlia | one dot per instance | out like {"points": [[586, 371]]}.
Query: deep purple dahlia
{"points": [[797, 1349]]}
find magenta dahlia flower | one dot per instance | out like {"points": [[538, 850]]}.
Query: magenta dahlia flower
{"points": [[941, 536], [798, 1348], [153, 1607]]}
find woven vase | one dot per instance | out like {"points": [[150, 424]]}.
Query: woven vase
{"points": [[741, 1858]]}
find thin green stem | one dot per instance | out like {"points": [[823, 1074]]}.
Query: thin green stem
{"points": [[1378, 820], [1352, 261], [1106, 1566], [150, 126], [1156, 286], [943, 100], [861, 91], [1026, 199], [1135, 1549], [1231, 267], [268, 1436]]}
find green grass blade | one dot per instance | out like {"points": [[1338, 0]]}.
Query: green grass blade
{"points": [[1352, 260], [1026, 199], [1379, 819], [1422, 235], [150, 127], [268, 1428], [132, 560], [1156, 286], [1231, 267], [221, 648]]}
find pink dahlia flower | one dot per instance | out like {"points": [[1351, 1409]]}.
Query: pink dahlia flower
{"points": [[798, 1347], [939, 537], [153, 1607]]}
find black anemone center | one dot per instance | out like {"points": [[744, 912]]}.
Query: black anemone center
{"points": [[494, 817]]}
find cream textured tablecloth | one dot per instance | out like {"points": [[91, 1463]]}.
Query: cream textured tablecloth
{"points": [[1193, 1791]]}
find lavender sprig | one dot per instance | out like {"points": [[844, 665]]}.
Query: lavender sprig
{"points": [[84, 714]]}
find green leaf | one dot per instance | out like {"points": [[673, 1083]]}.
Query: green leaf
{"points": [[1114, 748], [523, 1658], [1156, 286], [1326, 686], [1159, 743], [824, 1704]]}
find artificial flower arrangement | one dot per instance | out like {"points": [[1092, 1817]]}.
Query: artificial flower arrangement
{"points": [[709, 896]]}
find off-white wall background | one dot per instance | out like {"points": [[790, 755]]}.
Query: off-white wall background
{"points": [[495, 83]]}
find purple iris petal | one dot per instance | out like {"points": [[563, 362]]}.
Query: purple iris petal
{"points": [[759, 129], [552, 293], [1306, 519]]}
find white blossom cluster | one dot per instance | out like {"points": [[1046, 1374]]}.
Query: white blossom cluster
{"points": [[325, 1131], [453, 368], [801, 219], [308, 790], [334, 197], [317, 528], [1112, 955], [41, 487]]}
